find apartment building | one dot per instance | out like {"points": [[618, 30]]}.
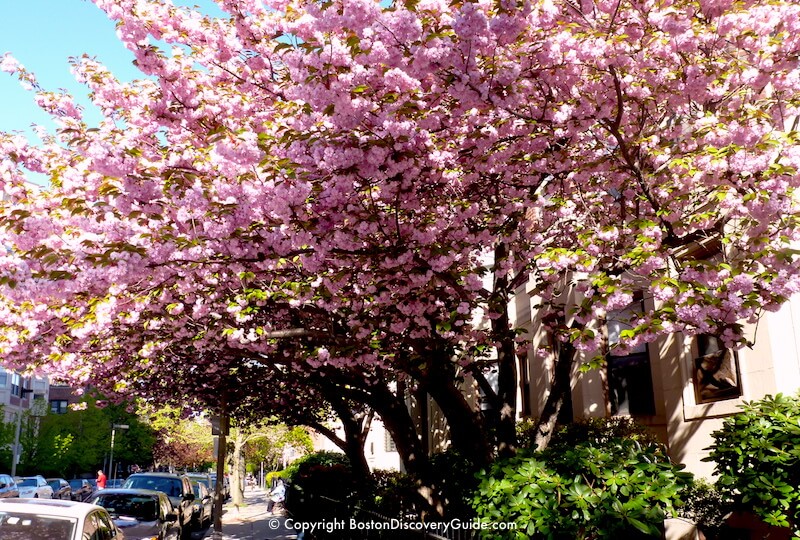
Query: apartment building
{"points": [[681, 387]]}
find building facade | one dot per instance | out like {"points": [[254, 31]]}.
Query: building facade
{"points": [[681, 387], [379, 449]]}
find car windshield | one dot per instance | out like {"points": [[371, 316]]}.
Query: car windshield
{"points": [[55, 484], [170, 486], [141, 507], [27, 482], [25, 526], [201, 479], [76, 484]]}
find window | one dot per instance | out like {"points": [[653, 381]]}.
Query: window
{"points": [[59, 406], [97, 527], [16, 385], [715, 373], [524, 369], [3, 378], [630, 382], [388, 442]]}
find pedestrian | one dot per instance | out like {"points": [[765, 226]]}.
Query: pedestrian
{"points": [[101, 480], [276, 495]]}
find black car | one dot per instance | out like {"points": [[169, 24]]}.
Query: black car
{"points": [[202, 506], [226, 485], [61, 488], [8, 487], [140, 513], [176, 486], [82, 489]]}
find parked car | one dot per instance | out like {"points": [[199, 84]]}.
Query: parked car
{"points": [[82, 488], [202, 506], [34, 487], [205, 478], [43, 519], [61, 488], [8, 486], [140, 513], [176, 486], [226, 485], [115, 483]]}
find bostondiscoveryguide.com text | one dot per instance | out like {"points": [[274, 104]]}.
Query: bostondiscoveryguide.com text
{"points": [[353, 525]]}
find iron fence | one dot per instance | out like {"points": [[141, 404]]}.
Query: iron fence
{"points": [[352, 522]]}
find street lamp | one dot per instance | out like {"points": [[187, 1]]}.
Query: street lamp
{"points": [[114, 428]]}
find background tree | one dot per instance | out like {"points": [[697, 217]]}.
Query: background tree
{"points": [[79, 441], [6, 440], [271, 447], [182, 441]]}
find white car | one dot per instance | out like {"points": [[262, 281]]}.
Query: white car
{"points": [[34, 487], [55, 520]]}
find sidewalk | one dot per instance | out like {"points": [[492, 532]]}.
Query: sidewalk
{"points": [[251, 521]]}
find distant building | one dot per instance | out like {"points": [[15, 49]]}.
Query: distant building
{"points": [[18, 393], [61, 397]]}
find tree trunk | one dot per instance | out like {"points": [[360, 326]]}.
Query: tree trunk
{"points": [[468, 431], [398, 422], [355, 437], [562, 378], [238, 468], [222, 447], [506, 358]]}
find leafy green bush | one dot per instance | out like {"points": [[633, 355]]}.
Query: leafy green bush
{"points": [[311, 460], [456, 480], [598, 430], [321, 487], [603, 487], [270, 477], [704, 505], [526, 431], [757, 455], [394, 495]]}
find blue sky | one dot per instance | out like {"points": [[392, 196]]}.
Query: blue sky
{"points": [[42, 35]]}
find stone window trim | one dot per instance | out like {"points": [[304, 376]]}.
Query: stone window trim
{"points": [[692, 410]]}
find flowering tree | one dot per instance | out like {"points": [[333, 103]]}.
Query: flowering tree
{"points": [[376, 183]]}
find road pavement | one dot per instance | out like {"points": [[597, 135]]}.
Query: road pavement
{"points": [[250, 521]]}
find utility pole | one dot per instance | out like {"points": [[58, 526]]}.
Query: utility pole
{"points": [[222, 445]]}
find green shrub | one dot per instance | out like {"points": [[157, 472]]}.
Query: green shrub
{"points": [[704, 505], [321, 487], [603, 487], [456, 479], [270, 477], [394, 495], [323, 458], [526, 432], [598, 430], [757, 455]]}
